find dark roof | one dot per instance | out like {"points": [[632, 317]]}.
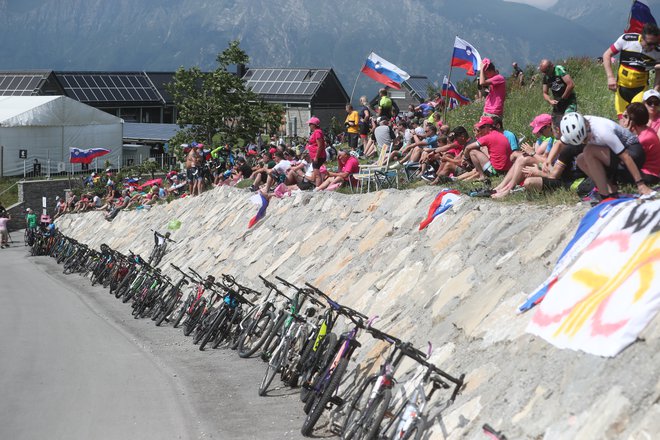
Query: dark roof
{"points": [[160, 80], [150, 131], [285, 83], [109, 88], [27, 83], [418, 85]]}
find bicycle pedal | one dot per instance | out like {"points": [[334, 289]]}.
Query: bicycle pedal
{"points": [[337, 401]]}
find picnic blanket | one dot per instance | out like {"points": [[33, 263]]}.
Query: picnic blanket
{"points": [[606, 286]]}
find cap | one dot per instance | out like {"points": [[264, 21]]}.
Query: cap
{"points": [[541, 121], [651, 94], [314, 120], [486, 62], [485, 120]]}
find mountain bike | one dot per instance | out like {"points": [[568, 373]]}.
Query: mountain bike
{"points": [[409, 421], [170, 300], [324, 388], [367, 408]]}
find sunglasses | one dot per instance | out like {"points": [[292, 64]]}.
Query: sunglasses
{"points": [[653, 103], [625, 116]]}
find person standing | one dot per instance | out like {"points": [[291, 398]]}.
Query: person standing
{"points": [[316, 147], [365, 121], [496, 83], [557, 81], [384, 105], [638, 54], [352, 124], [4, 233]]}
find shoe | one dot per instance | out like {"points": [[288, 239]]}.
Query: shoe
{"points": [[427, 178], [485, 192], [252, 188]]}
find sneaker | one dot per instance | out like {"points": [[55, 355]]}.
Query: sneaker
{"points": [[426, 177], [252, 188]]}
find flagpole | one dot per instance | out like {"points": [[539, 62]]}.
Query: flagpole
{"points": [[444, 113], [355, 85]]}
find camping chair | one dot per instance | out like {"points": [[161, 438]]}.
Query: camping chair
{"points": [[379, 173]]}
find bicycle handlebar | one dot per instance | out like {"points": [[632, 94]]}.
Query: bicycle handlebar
{"points": [[272, 286]]}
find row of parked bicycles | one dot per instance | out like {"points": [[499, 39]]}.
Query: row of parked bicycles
{"points": [[292, 328]]}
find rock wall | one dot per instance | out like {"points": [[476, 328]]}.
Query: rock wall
{"points": [[456, 284]]}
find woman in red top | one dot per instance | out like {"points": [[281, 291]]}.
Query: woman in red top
{"points": [[635, 119], [316, 148]]}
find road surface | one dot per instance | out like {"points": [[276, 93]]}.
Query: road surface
{"points": [[76, 365]]}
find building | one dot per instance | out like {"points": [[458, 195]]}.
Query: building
{"points": [[302, 92], [132, 96]]}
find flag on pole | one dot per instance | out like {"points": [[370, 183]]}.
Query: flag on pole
{"points": [[466, 57], [450, 91], [640, 14], [262, 202], [382, 71], [77, 155]]}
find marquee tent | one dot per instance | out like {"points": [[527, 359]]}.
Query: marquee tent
{"points": [[47, 126]]}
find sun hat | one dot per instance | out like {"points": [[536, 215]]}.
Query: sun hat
{"points": [[314, 120], [540, 122]]}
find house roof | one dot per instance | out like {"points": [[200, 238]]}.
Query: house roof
{"points": [[286, 83]]}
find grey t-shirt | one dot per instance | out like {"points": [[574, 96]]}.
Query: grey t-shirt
{"points": [[383, 135]]}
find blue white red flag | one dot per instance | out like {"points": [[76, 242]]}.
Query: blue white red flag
{"points": [[442, 202], [450, 91], [261, 201], [76, 155], [381, 70], [466, 57], [640, 14]]}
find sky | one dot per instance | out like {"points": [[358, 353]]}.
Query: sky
{"points": [[541, 4]]}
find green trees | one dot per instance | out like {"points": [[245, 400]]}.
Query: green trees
{"points": [[217, 106]]}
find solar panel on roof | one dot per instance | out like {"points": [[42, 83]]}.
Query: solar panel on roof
{"points": [[108, 87]]}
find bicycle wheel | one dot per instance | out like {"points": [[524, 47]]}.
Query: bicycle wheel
{"points": [[322, 400], [255, 335], [356, 409], [271, 370], [414, 432], [167, 309], [315, 363], [182, 312], [369, 426]]}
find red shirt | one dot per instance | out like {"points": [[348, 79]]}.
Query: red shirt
{"points": [[312, 146], [499, 149], [651, 144]]}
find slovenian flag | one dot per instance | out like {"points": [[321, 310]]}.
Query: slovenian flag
{"points": [[442, 202], [640, 14], [450, 91], [261, 201], [76, 155], [465, 57], [381, 70]]}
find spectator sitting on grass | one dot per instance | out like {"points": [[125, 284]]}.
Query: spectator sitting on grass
{"points": [[413, 152], [652, 102], [451, 157], [277, 174], [635, 119], [490, 154], [347, 165], [607, 144], [542, 129], [260, 172], [300, 175]]}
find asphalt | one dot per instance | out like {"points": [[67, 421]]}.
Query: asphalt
{"points": [[76, 365]]}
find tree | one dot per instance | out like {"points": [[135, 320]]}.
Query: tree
{"points": [[217, 106]]}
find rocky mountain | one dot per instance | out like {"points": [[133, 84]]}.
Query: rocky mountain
{"points": [[417, 36], [607, 18]]}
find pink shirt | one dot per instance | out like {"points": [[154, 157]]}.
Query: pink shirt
{"points": [[351, 166], [497, 93], [312, 147], [499, 149], [655, 123], [3, 223], [651, 144]]}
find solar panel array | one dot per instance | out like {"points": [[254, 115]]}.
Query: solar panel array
{"points": [[108, 87], [20, 84], [419, 85], [301, 82]]}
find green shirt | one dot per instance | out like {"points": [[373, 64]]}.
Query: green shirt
{"points": [[31, 220]]}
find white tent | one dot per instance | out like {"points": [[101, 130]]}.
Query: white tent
{"points": [[46, 126]]}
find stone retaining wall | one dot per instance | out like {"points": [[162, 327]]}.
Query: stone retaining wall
{"points": [[456, 284]]}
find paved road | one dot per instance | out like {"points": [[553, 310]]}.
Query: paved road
{"points": [[76, 365]]}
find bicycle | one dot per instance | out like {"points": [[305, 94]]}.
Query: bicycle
{"points": [[172, 298], [160, 247], [409, 421], [324, 388], [368, 406]]}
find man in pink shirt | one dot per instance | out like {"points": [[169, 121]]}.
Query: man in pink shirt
{"points": [[491, 152], [496, 83], [347, 165]]}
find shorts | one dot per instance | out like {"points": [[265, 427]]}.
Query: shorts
{"points": [[305, 184], [318, 163], [625, 96], [617, 171], [352, 140], [569, 153], [565, 106], [190, 173]]}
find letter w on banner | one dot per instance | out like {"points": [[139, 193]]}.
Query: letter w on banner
{"points": [[611, 291]]}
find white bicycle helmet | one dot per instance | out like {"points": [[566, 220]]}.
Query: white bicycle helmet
{"points": [[573, 129]]}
